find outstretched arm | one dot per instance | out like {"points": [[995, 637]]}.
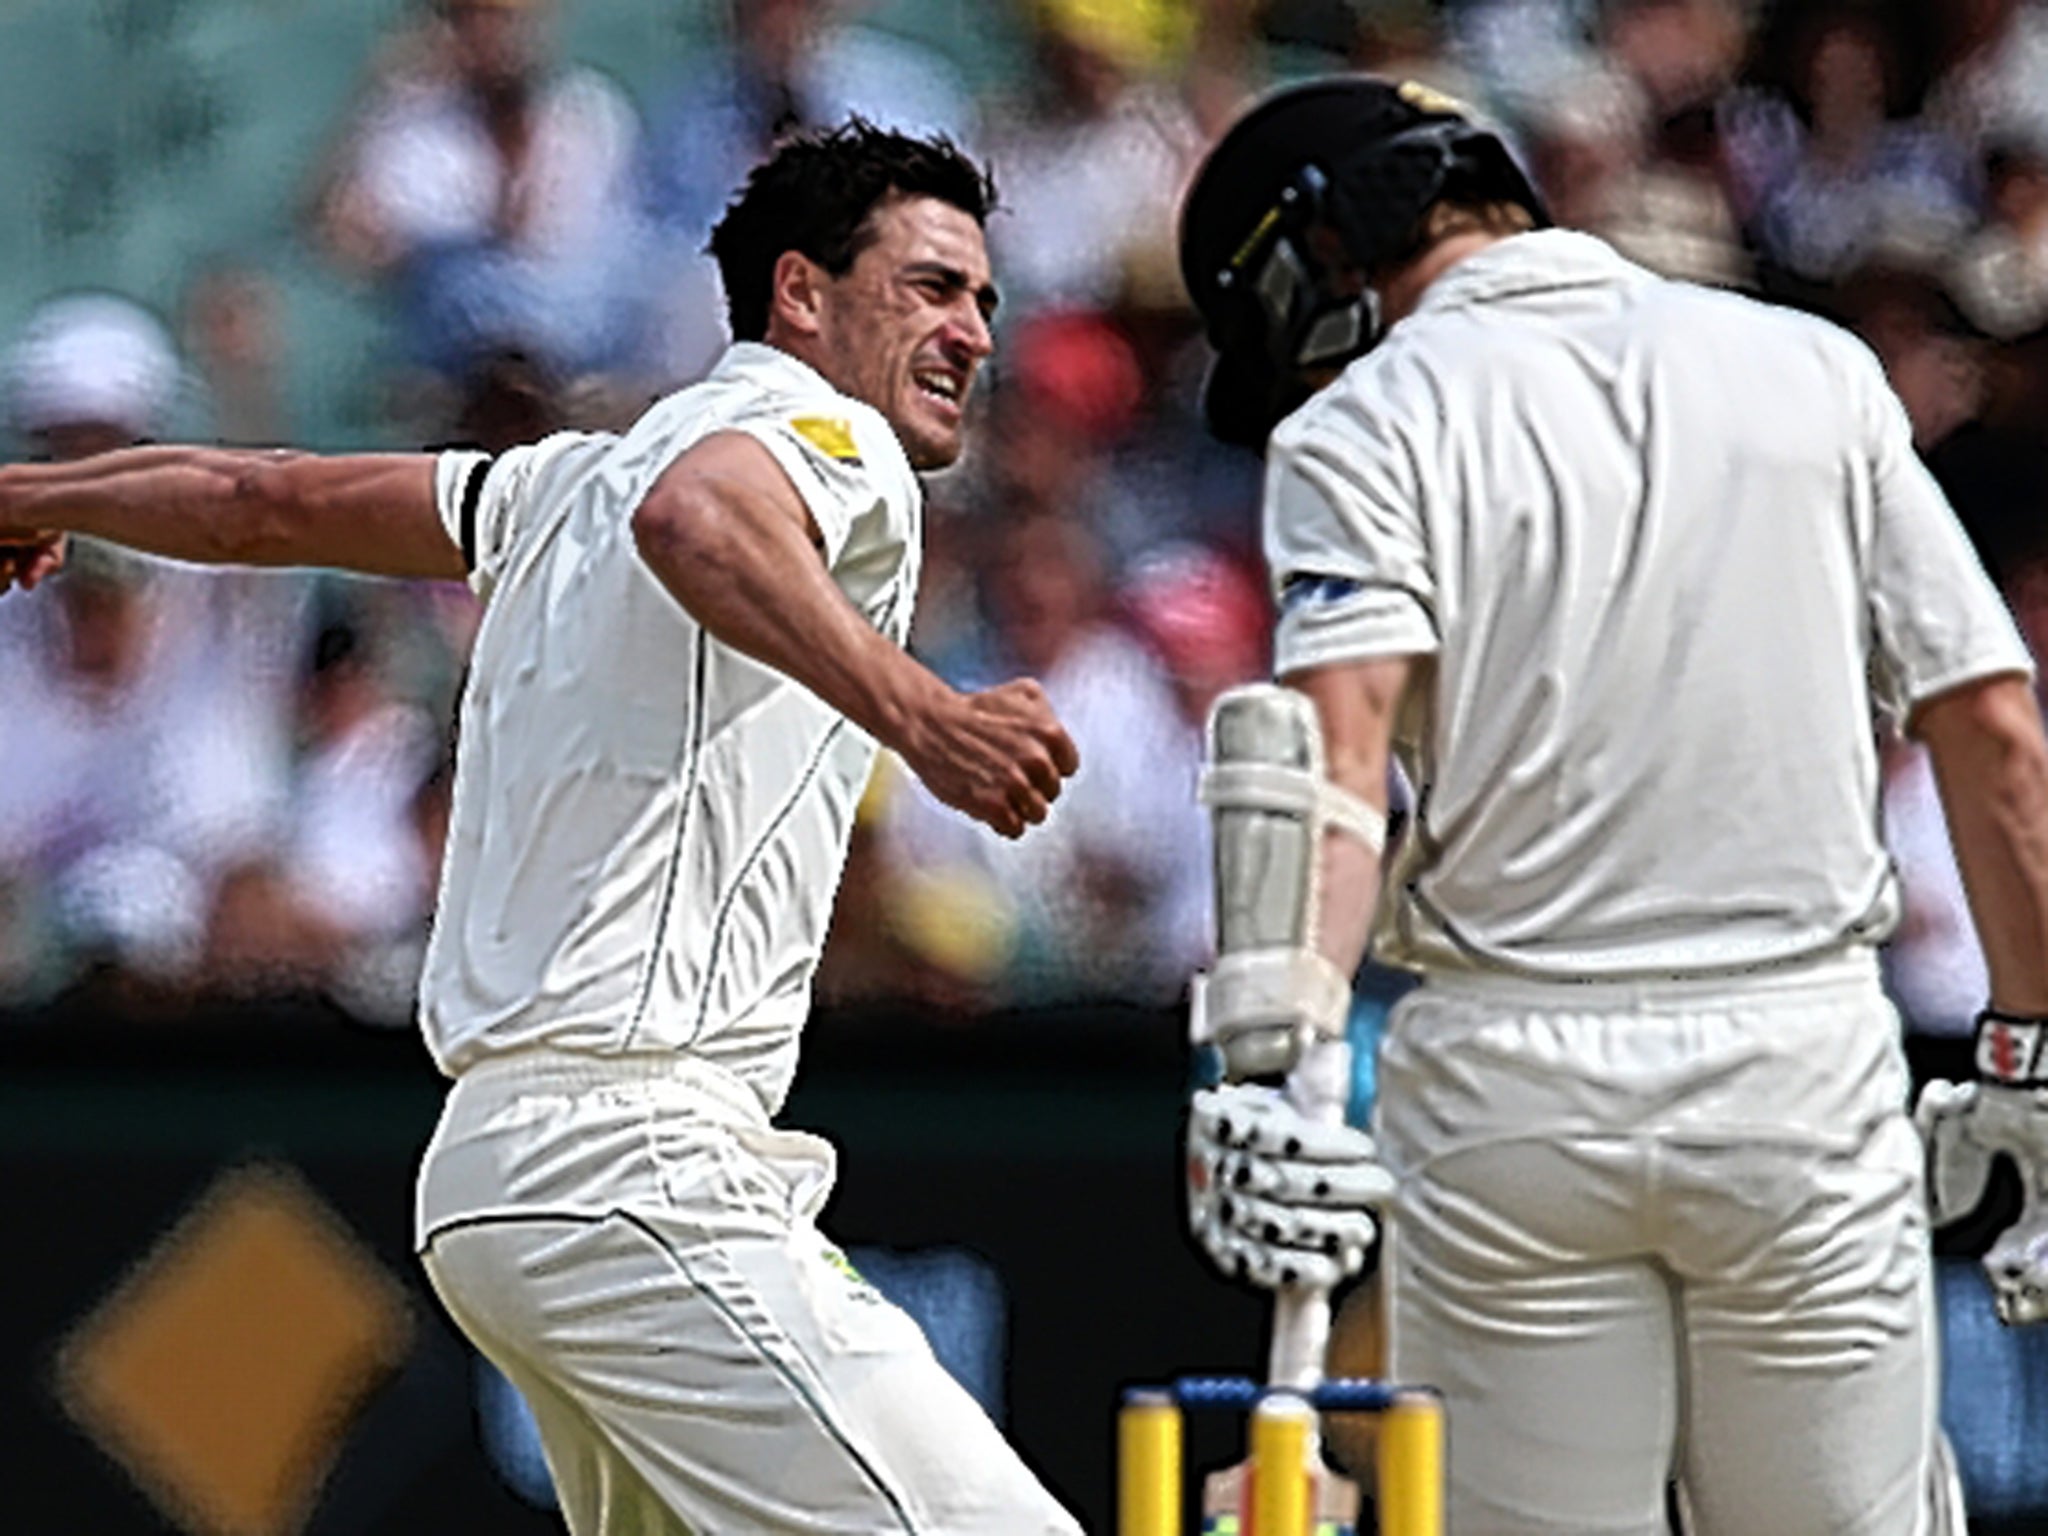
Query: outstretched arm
{"points": [[728, 535], [372, 513]]}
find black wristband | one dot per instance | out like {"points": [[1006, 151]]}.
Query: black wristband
{"points": [[2012, 1048]]}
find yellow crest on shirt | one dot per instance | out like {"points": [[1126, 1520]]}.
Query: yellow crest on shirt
{"points": [[830, 435]]}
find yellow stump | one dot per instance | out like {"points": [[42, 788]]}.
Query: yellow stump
{"points": [[1411, 1470], [1283, 1437], [1148, 1459]]}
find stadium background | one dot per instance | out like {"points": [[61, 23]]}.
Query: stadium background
{"points": [[210, 1101]]}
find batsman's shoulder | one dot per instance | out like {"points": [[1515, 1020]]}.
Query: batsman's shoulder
{"points": [[1744, 314], [1375, 394], [1846, 368]]}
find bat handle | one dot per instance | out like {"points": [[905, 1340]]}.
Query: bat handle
{"points": [[1301, 1337], [1320, 1087]]}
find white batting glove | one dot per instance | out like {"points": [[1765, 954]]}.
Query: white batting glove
{"points": [[1965, 1124], [1275, 1197]]}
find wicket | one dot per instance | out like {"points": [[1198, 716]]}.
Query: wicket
{"points": [[1283, 1439]]}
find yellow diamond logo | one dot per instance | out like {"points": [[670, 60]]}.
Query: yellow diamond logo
{"points": [[224, 1371]]}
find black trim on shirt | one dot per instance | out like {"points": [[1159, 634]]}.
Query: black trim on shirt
{"points": [[472, 493]]}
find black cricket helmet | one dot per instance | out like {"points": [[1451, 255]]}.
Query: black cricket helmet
{"points": [[1350, 159]]}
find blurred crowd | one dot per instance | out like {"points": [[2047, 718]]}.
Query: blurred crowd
{"points": [[233, 784]]}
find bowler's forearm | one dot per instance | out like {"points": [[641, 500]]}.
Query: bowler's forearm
{"points": [[188, 503], [230, 506]]}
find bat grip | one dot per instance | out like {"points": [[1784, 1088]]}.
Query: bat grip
{"points": [[1301, 1336], [1320, 1087]]}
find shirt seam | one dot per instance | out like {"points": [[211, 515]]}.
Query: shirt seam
{"points": [[746, 867], [700, 667]]}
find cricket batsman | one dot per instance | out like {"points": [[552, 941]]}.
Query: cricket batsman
{"points": [[1623, 571]]}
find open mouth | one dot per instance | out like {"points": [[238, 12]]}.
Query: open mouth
{"points": [[941, 384]]}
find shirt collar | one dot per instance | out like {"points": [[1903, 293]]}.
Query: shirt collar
{"points": [[1541, 261], [756, 359]]}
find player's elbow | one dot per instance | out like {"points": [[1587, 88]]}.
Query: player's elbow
{"points": [[1988, 743], [1986, 717], [663, 532], [681, 534], [656, 528]]}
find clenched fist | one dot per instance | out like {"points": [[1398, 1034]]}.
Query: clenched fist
{"points": [[999, 755]]}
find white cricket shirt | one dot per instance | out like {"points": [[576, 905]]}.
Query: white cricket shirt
{"points": [[1662, 546], [649, 827]]}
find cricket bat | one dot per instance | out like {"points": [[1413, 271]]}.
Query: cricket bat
{"points": [[1320, 1087]]}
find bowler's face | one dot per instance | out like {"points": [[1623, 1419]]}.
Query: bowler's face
{"points": [[907, 327]]}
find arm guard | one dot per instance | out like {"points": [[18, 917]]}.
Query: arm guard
{"points": [[1271, 993], [1273, 1004]]}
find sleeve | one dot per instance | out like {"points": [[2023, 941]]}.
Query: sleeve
{"points": [[482, 501], [840, 468], [1346, 545], [1936, 619]]}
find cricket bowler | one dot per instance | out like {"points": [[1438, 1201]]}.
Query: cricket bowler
{"points": [[692, 642]]}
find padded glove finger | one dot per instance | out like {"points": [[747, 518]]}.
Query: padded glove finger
{"points": [[1958, 1164], [1332, 1233], [1337, 1185], [1275, 1268], [1250, 1118], [2017, 1267]]}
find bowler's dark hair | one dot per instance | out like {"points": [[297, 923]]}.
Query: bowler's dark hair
{"points": [[817, 195]]}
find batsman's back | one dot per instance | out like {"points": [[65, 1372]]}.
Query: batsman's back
{"points": [[1661, 542]]}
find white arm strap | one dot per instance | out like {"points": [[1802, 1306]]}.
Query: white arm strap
{"points": [[1255, 988], [1272, 787]]}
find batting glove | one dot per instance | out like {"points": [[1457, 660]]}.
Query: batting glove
{"points": [[1964, 1125], [1275, 1197]]}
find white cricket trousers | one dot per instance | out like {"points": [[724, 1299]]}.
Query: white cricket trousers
{"points": [[1668, 1231], [634, 1245]]}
